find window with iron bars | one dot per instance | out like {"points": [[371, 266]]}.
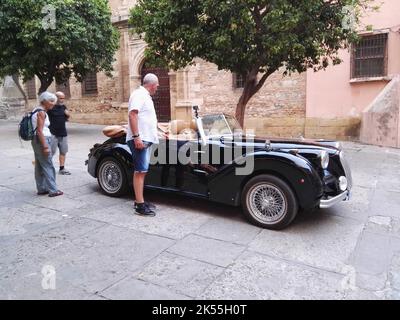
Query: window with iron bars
{"points": [[238, 81], [89, 85], [30, 87], [369, 57], [64, 88]]}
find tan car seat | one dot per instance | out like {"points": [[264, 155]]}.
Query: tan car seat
{"points": [[182, 130]]}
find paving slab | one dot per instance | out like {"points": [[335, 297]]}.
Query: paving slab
{"points": [[17, 221], [319, 240], [183, 275], [373, 254], [25, 248], [385, 203], [220, 253], [234, 230], [258, 277], [192, 249], [134, 289]]}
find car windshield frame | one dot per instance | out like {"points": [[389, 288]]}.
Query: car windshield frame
{"points": [[223, 125]]}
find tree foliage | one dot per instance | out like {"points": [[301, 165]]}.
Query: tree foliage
{"points": [[83, 39], [253, 38]]}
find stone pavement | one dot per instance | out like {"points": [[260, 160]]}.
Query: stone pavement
{"points": [[193, 249]]}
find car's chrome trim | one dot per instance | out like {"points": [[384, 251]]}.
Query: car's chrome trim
{"points": [[324, 204], [347, 170]]}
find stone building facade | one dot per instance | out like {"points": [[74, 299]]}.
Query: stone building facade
{"points": [[279, 108], [286, 106]]}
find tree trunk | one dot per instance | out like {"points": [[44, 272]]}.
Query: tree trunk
{"points": [[44, 85], [251, 87], [20, 88], [248, 92], [241, 106]]}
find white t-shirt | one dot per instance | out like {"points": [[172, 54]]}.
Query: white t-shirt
{"points": [[46, 130], [141, 101]]}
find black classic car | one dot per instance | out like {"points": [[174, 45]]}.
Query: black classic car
{"points": [[213, 158]]}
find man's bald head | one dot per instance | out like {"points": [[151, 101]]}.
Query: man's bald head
{"points": [[60, 97], [60, 94]]}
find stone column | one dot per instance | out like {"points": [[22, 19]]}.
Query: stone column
{"points": [[183, 105], [12, 104], [136, 58]]}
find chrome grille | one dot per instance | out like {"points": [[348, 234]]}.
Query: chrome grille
{"points": [[347, 170]]}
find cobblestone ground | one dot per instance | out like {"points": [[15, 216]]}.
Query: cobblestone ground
{"points": [[193, 249]]}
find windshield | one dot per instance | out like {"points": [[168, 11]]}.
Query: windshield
{"points": [[218, 125]]}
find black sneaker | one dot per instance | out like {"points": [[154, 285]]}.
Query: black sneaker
{"points": [[143, 210], [150, 205]]}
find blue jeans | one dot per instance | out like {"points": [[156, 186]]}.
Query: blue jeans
{"points": [[45, 173], [141, 158]]}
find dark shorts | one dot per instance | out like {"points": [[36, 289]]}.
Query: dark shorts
{"points": [[141, 158]]}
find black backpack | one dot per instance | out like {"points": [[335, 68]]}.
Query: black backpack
{"points": [[25, 130]]}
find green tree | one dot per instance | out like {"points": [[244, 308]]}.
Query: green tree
{"points": [[253, 38], [80, 39]]}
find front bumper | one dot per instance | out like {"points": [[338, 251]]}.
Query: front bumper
{"points": [[324, 204]]}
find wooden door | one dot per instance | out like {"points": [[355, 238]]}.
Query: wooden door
{"points": [[162, 99]]}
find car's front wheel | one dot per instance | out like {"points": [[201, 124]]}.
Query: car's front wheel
{"points": [[269, 202], [112, 178]]}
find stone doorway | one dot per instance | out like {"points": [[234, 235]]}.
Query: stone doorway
{"points": [[162, 99]]}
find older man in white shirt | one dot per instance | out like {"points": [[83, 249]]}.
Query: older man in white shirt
{"points": [[142, 134]]}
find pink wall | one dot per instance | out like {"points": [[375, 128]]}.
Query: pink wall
{"points": [[330, 93]]}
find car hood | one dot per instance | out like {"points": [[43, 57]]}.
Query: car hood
{"points": [[261, 142]]}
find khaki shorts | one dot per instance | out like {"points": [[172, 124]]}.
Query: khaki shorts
{"points": [[60, 143]]}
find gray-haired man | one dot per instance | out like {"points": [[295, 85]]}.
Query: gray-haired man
{"points": [[142, 133]]}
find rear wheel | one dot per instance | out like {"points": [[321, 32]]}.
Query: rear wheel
{"points": [[269, 202], [112, 178]]}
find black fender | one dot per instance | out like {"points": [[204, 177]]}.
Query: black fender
{"points": [[118, 151], [226, 186]]}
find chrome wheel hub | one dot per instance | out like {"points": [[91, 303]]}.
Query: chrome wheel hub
{"points": [[267, 203], [110, 177]]}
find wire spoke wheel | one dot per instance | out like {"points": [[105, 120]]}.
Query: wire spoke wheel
{"points": [[267, 203], [110, 177]]}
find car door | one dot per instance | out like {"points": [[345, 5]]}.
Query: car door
{"points": [[173, 167]]}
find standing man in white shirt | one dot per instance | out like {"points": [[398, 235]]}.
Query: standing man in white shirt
{"points": [[142, 134]]}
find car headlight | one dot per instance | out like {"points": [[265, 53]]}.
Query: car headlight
{"points": [[343, 183], [324, 156]]}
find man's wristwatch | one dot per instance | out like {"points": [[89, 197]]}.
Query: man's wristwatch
{"points": [[136, 136]]}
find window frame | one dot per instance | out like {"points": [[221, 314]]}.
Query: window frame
{"points": [[64, 88], [368, 73], [30, 87], [238, 81], [90, 92]]}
